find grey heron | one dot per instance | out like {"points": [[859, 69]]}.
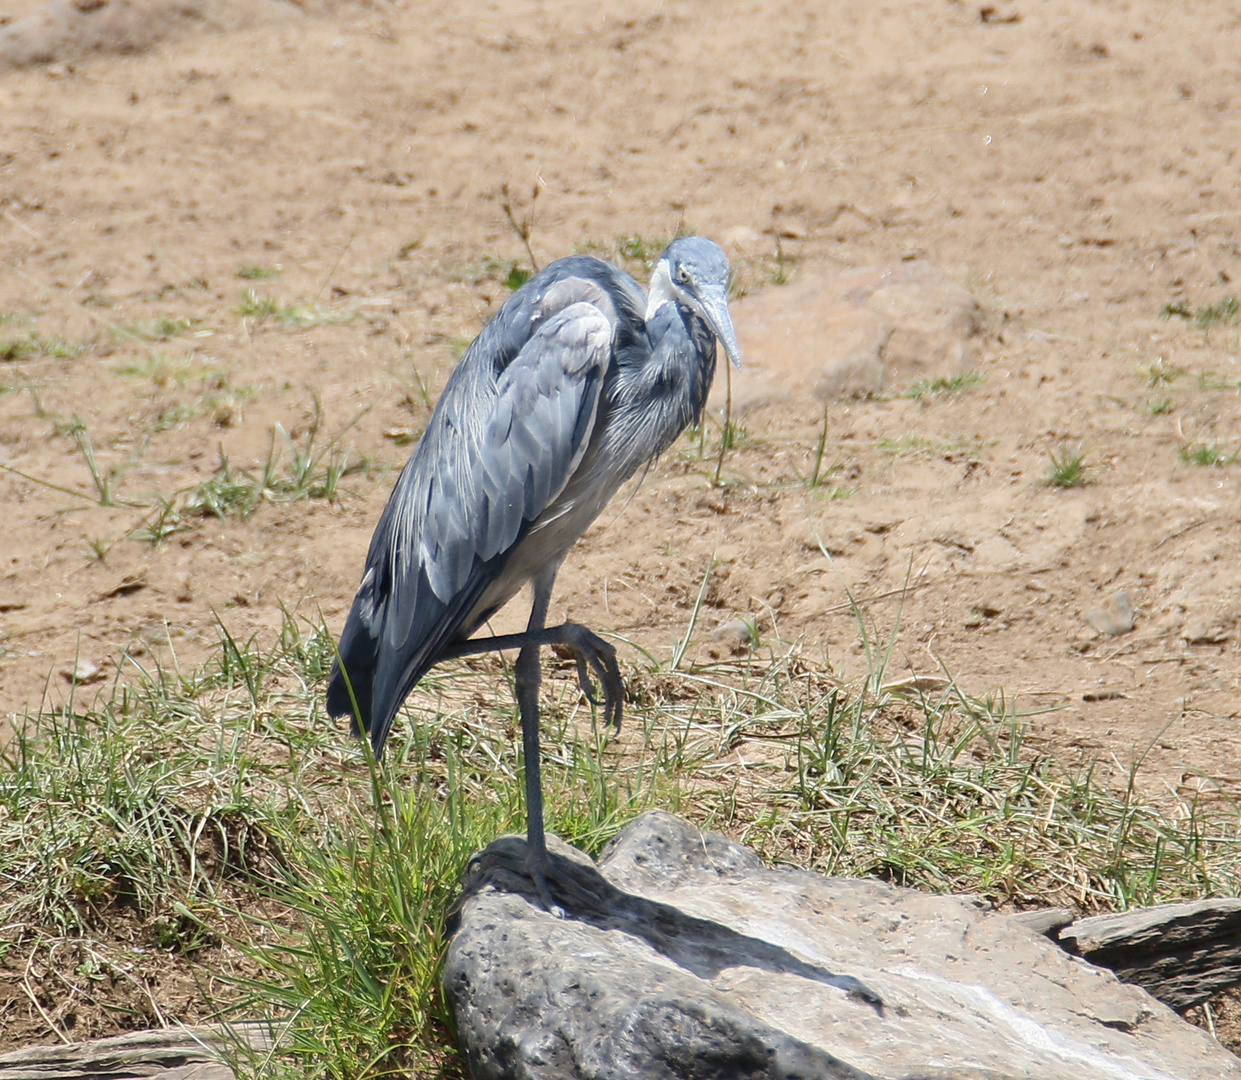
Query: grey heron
{"points": [[575, 384]]}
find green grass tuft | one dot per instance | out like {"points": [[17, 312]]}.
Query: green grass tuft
{"points": [[1159, 373], [1206, 454], [161, 328], [52, 348], [257, 272], [1224, 312], [944, 384], [634, 252], [261, 306], [291, 472], [1068, 469]]}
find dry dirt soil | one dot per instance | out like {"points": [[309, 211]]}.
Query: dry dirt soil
{"points": [[1071, 165]]}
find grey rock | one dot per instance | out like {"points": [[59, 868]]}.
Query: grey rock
{"points": [[1180, 953], [1046, 921], [736, 634], [1208, 629], [187, 1053], [680, 955], [67, 30], [851, 334]]}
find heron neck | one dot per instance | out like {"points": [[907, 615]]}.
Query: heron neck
{"points": [[660, 292]]}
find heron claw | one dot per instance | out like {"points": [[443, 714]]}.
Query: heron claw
{"points": [[596, 659], [584, 680]]}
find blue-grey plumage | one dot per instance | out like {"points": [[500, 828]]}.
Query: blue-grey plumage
{"points": [[575, 384]]}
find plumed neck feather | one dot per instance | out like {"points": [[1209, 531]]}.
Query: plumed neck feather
{"points": [[661, 291]]}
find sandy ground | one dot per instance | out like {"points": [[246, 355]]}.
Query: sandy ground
{"points": [[1069, 165]]}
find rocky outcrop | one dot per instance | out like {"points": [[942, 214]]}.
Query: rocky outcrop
{"points": [[852, 334], [681, 955], [1180, 953]]}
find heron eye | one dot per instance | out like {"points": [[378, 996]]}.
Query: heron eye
{"points": [[682, 275]]}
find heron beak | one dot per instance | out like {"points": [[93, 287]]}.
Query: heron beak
{"points": [[715, 311]]}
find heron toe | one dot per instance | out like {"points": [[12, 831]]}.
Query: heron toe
{"points": [[537, 866], [593, 654]]}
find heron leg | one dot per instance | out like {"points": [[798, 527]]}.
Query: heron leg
{"points": [[591, 653], [527, 677]]}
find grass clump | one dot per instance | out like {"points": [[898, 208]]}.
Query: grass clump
{"points": [[911, 444], [1206, 454], [289, 474], [160, 328], [1225, 311], [257, 272], [1160, 373], [1068, 469], [1208, 380], [163, 370], [488, 267], [635, 253], [261, 306], [944, 793], [944, 384], [131, 828], [29, 345]]}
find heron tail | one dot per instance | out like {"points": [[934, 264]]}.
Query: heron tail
{"points": [[350, 690], [369, 679]]}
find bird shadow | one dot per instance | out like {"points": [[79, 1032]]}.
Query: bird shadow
{"points": [[700, 946]]}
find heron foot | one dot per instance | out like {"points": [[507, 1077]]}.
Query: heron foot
{"points": [[538, 872], [595, 659]]}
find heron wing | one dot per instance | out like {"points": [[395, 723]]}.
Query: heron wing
{"points": [[502, 445], [510, 467]]}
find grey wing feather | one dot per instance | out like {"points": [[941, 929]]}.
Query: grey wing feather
{"points": [[522, 456]]}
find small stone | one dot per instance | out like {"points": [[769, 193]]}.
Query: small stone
{"points": [[915, 685], [980, 613], [1206, 631], [82, 673], [1113, 618], [1102, 695], [736, 633]]}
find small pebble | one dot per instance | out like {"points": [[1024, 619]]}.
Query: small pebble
{"points": [[736, 632], [82, 672], [1113, 618]]}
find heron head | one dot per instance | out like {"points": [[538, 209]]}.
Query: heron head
{"points": [[695, 272]]}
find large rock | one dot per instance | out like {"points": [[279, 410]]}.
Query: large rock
{"points": [[1181, 953], [682, 956], [855, 333]]}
